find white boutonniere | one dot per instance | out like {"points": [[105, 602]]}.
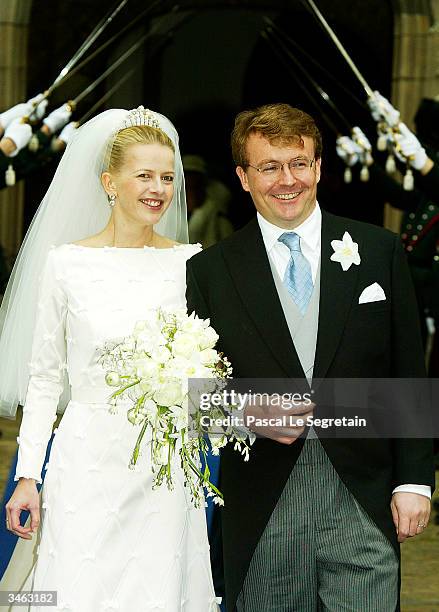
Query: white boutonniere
{"points": [[345, 252]]}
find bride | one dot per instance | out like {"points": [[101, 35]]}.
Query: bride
{"points": [[107, 541]]}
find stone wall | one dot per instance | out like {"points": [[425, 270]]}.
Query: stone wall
{"points": [[14, 20], [415, 64]]}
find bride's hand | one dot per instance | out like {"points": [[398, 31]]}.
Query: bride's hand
{"points": [[25, 497]]}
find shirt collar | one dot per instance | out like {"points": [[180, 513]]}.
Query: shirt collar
{"points": [[309, 231]]}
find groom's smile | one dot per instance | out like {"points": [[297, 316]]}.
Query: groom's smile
{"points": [[287, 196]]}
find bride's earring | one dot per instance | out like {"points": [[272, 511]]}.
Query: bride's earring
{"points": [[112, 200]]}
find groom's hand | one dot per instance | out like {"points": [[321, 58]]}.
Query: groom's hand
{"points": [[410, 512], [278, 423]]}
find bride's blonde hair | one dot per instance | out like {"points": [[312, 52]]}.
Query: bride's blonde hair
{"points": [[139, 134]]}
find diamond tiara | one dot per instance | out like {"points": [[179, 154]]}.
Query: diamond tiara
{"points": [[140, 116]]}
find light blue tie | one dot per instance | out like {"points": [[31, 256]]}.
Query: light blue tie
{"points": [[298, 277]]}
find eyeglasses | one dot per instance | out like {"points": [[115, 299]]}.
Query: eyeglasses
{"points": [[298, 167]]}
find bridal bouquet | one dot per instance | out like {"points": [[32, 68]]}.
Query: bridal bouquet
{"points": [[150, 369]]}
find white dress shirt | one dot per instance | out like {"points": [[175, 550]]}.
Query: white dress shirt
{"points": [[310, 232], [310, 242]]}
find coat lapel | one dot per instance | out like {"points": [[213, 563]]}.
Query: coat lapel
{"points": [[336, 295], [249, 267]]}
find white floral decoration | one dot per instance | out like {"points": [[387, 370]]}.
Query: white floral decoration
{"points": [[345, 252], [150, 369]]}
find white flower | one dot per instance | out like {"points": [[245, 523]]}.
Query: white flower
{"points": [[161, 354], [112, 379], [162, 454], [179, 417], [209, 357], [192, 324], [135, 417], [149, 340], [147, 368], [150, 409], [169, 393], [179, 367], [208, 338], [345, 252], [147, 385], [128, 345], [184, 345], [181, 315], [217, 442]]}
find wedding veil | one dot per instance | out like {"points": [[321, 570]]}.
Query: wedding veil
{"points": [[74, 207]]}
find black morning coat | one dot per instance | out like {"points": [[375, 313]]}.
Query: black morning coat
{"points": [[231, 284]]}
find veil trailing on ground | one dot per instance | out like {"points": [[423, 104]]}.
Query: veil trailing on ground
{"points": [[74, 207]]}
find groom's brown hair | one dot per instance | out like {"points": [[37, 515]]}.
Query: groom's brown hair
{"points": [[279, 123]]}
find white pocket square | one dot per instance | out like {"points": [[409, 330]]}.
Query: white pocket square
{"points": [[373, 293]]}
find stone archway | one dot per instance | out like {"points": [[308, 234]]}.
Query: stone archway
{"points": [[416, 55], [14, 22]]}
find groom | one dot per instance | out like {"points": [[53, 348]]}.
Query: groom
{"points": [[311, 523]]}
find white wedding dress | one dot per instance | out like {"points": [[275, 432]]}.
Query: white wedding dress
{"points": [[108, 541]]}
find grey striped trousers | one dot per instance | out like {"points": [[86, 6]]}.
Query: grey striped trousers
{"points": [[320, 551]]}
